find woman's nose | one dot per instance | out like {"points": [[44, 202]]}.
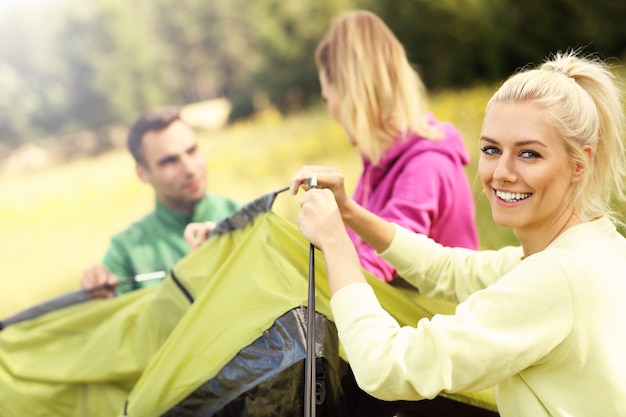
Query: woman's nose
{"points": [[505, 169]]}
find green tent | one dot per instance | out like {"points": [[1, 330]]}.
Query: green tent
{"points": [[222, 336], [84, 359]]}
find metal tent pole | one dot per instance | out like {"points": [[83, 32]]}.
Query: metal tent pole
{"points": [[309, 382]]}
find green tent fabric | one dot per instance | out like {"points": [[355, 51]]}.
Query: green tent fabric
{"points": [[142, 353], [238, 296], [83, 360]]}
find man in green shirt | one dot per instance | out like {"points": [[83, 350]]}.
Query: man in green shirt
{"points": [[168, 158]]}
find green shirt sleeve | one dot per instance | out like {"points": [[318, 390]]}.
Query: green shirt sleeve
{"points": [[156, 243]]}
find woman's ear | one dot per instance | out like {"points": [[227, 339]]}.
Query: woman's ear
{"points": [[579, 167]]}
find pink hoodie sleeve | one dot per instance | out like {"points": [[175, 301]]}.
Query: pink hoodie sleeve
{"points": [[413, 199]]}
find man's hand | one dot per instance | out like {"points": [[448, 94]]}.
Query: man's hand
{"points": [[196, 233], [99, 281]]}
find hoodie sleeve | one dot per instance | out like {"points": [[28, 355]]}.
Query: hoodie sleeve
{"points": [[422, 186], [414, 201]]}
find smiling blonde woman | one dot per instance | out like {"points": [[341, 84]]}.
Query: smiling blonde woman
{"points": [[542, 322]]}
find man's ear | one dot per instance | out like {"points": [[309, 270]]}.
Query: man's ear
{"points": [[142, 172], [579, 168]]}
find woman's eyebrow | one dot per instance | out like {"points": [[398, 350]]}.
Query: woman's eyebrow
{"points": [[524, 142]]}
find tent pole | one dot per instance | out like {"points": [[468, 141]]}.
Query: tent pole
{"points": [[309, 382]]}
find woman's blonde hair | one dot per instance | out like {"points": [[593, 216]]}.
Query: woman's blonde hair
{"points": [[584, 101], [380, 94]]}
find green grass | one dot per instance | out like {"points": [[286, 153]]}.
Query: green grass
{"points": [[58, 221]]}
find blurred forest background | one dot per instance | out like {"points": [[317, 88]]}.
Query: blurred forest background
{"points": [[71, 71], [75, 73]]}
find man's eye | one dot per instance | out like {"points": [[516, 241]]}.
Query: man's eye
{"points": [[167, 161]]}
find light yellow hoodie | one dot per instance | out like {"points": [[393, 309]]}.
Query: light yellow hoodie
{"points": [[548, 332]]}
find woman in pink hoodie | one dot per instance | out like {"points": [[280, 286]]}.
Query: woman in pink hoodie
{"points": [[413, 165]]}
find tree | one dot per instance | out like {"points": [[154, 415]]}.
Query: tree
{"points": [[28, 75], [89, 65], [112, 67], [288, 34], [14, 109]]}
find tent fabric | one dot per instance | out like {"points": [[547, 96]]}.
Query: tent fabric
{"points": [[142, 354], [247, 213], [239, 296], [66, 300], [84, 359], [266, 377]]}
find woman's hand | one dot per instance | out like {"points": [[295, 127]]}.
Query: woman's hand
{"points": [[329, 178], [196, 233], [319, 219], [320, 222]]}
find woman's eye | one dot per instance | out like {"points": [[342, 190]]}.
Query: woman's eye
{"points": [[530, 154], [489, 150]]}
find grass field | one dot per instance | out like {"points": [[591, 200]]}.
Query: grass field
{"points": [[56, 222]]}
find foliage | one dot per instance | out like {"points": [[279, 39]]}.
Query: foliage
{"points": [[75, 65], [288, 40], [442, 39], [28, 65], [462, 42], [111, 72]]}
